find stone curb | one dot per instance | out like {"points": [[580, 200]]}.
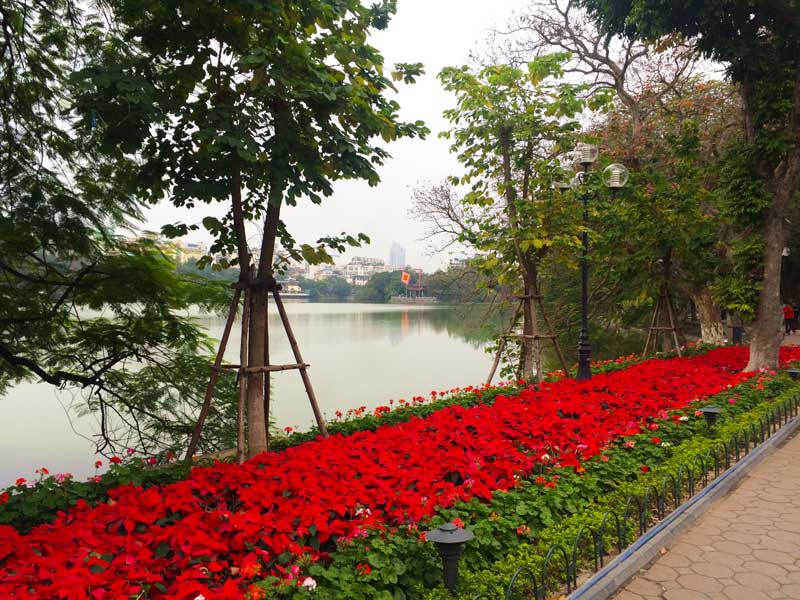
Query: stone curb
{"points": [[610, 579]]}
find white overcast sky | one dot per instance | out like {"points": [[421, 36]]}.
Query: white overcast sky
{"points": [[437, 33]]}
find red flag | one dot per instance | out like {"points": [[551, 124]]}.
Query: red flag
{"points": [[405, 278]]}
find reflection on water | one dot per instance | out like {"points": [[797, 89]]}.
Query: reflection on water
{"points": [[360, 354]]}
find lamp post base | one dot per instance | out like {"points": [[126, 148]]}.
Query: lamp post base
{"points": [[584, 362]]}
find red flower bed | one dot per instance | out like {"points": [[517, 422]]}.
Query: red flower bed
{"points": [[227, 525]]}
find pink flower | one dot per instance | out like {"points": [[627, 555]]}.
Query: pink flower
{"points": [[309, 583], [731, 400], [98, 464], [151, 460], [630, 444], [288, 429], [130, 451], [698, 413]]}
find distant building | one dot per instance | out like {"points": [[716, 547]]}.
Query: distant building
{"points": [[190, 251], [362, 268], [397, 256], [458, 262]]}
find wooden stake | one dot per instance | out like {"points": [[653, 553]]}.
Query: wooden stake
{"points": [[502, 345], [297, 356], [242, 380], [539, 300], [537, 348], [672, 320], [652, 328], [212, 381]]}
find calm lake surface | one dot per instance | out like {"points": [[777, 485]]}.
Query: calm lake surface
{"points": [[360, 354]]}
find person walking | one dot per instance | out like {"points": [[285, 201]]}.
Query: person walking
{"points": [[788, 318]]}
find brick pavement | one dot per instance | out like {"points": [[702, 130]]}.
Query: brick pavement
{"points": [[746, 547]]}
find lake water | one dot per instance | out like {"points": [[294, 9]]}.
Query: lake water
{"points": [[360, 354]]}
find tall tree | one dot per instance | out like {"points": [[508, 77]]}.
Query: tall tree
{"points": [[759, 44], [83, 308], [255, 105], [508, 126], [674, 210], [644, 79]]}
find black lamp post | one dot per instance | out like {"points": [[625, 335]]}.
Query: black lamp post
{"points": [[614, 177], [449, 540], [711, 413]]}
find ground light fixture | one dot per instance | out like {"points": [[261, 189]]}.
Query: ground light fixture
{"points": [[793, 373], [711, 413], [614, 177], [449, 540]]}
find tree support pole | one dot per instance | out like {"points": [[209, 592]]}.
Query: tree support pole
{"points": [[502, 345], [212, 381], [312, 398], [240, 409], [556, 345], [652, 329]]}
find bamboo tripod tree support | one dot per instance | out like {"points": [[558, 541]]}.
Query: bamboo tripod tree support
{"points": [[525, 302], [664, 320], [243, 368], [663, 313]]}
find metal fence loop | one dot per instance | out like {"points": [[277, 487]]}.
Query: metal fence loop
{"points": [[523, 571], [602, 530], [626, 515], [575, 548], [546, 562], [703, 473]]}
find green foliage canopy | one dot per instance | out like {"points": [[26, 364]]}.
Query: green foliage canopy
{"points": [[276, 99]]}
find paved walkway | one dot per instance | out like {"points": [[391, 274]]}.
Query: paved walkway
{"points": [[746, 547], [793, 339]]}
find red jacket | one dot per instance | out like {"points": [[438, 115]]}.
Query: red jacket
{"points": [[788, 312]]}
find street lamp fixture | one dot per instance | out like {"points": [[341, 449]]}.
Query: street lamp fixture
{"points": [[585, 154], [563, 180], [614, 177]]}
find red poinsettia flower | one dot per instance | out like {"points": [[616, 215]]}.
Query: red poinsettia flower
{"points": [[223, 527]]}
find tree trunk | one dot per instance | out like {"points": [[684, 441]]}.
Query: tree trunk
{"points": [[710, 315], [782, 182], [530, 355], [258, 383], [526, 347], [256, 429], [766, 333]]}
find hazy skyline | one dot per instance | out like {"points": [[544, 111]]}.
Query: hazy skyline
{"points": [[437, 34]]}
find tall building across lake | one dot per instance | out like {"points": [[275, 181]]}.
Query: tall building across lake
{"points": [[397, 256]]}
